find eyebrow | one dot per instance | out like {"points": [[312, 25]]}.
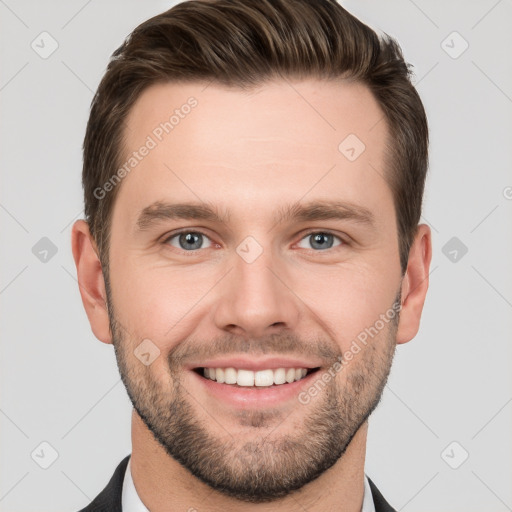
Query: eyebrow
{"points": [[312, 211], [186, 211], [325, 210]]}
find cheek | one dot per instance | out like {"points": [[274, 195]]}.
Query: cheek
{"points": [[351, 299], [157, 302]]}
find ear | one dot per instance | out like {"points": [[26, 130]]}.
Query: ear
{"points": [[90, 280], [415, 284]]}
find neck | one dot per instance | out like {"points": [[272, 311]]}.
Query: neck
{"points": [[164, 485]]}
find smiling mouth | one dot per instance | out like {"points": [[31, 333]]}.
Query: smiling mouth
{"points": [[243, 378]]}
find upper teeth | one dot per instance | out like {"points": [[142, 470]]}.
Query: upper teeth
{"points": [[258, 378]]}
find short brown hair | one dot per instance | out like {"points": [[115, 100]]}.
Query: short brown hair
{"points": [[242, 44]]}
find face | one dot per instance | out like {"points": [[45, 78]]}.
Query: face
{"points": [[248, 238]]}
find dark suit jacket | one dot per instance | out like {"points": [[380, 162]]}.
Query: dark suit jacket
{"points": [[109, 500]]}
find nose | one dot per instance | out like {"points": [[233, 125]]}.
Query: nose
{"points": [[256, 299]]}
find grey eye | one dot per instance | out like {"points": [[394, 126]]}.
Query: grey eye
{"points": [[319, 240], [189, 240]]}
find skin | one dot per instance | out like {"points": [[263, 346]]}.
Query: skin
{"points": [[250, 153]]}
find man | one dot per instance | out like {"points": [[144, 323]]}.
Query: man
{"points": [[253, 178]]}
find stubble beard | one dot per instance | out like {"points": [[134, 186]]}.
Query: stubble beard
{"points": [[272, 465]]}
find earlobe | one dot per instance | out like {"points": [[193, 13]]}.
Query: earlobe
{"points": [[415, 285], [90, 280]]}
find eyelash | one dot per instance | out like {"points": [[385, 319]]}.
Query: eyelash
{"points": [[309, 233]]}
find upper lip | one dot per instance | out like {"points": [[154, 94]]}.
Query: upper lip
{"points": [[243, 362]]}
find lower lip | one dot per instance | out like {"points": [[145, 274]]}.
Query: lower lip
{"points": [[249, 397]]}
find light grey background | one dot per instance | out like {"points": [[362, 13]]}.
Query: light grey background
{"points": [[452, 383]]}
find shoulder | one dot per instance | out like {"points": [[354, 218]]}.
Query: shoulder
{"points": [[109, 499], [381, 505]]}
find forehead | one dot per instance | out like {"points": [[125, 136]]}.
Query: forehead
{"points": [[311, 110], [276, 143]]}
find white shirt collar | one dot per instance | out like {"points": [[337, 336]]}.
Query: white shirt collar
{"points": [[368, 504], [130, 499], [132, 503]]}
